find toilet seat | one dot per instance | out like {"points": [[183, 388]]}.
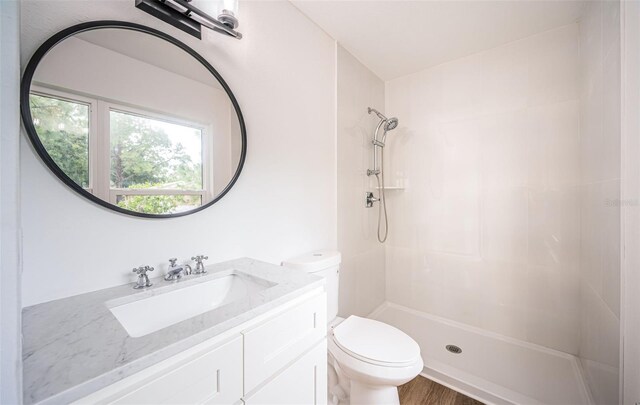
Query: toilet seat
{"points": [[375, 342], [370, 381]]}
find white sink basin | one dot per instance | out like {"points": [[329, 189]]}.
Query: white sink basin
{"points": [[158, 311]]}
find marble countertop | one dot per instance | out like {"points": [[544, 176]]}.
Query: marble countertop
{"points": [[75, 346]]}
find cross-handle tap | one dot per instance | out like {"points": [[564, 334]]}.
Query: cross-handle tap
{"points": [[143, 278], [175, 271], [199, 265]]}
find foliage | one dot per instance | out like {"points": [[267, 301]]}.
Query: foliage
{"points": [[156, 204], [143, 153], [63, 129]]}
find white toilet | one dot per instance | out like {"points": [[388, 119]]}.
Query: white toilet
{"points": [[368, 359]]}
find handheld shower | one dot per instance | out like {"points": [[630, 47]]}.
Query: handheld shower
{"points": [[388, 124], [391, 124]]}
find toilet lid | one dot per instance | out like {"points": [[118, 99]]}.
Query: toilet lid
{"points": [[376, 342]]}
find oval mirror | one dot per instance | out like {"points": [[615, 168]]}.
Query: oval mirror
{"points": [[133, 119]]}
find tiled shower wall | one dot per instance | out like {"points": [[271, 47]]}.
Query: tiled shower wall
{"points": [[486, 231], [362, 286], [600, 199]]}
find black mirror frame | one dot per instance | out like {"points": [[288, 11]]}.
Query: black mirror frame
{"points": [[27, 119]]}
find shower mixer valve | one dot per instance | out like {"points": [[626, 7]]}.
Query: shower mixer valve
{"points": [[370, 199]]}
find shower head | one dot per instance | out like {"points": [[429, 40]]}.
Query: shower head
{"points": [[391, 124], [388, 124]]}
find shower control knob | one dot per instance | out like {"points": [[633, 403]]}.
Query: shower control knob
{"points": [[370, 199]]}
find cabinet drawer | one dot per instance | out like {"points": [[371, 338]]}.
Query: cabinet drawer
{"points": [[209, 377], [280, 340], [302, 383]]}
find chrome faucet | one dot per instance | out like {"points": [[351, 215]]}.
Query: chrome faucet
{"points": [[143, 279], [199, 265], [175, 271]]}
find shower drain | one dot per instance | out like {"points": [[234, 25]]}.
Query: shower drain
{"points": [[453, 349]]}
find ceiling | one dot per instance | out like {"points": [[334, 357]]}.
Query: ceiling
{"points": [[152, 50], [398, 37]]}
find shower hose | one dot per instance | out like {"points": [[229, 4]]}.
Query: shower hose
{"points": [[382, 203]]}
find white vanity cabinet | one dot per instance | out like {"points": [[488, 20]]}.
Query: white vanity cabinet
{"points": [[278, 358], [286, 357], [272, 345], [304, 382], [211, 375]]}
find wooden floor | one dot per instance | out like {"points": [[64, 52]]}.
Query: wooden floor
{"points": [[421, 391]]}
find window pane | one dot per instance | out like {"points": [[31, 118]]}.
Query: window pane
{"points": [[63, 129], [150, 153], [159, 204]]}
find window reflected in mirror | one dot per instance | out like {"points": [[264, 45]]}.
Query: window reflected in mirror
{"points": [[63, 127], [155, 161], [156, 165]]}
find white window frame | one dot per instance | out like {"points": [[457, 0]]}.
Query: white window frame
{"points": [[93, 124], [100, 146], [112, 194]]}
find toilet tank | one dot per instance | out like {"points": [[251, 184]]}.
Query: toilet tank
{"points": [[323, 263]]}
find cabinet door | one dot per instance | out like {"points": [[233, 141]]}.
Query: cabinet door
{"points": [[213, 376], [302, 383], [279, 341]]}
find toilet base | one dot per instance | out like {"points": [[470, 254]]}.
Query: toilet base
{"points": [[364, 394], [345, 391], [354, 381]]}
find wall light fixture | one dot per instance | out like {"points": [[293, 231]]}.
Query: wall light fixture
{"points": [[191, 15]]}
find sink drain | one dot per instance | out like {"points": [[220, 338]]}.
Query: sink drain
{"points": [[453, 349]]}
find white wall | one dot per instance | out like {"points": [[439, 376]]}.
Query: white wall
{"points": [[487, 230], [10, 266], [284, 203], [362, 274], [600, 199], [630, 147]]}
